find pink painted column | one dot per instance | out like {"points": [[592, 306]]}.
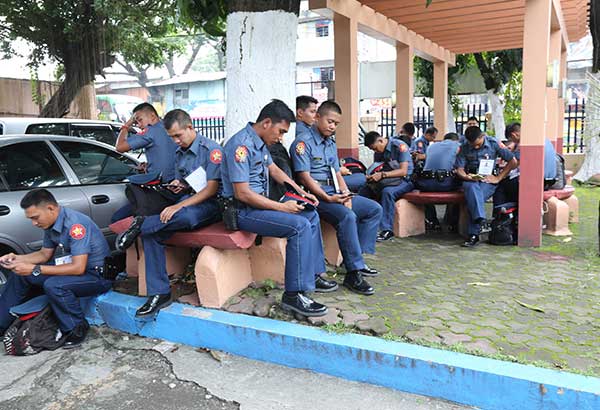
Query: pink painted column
{"points": [[536, 42], [560, 128], [404, 84], [440, 96]]}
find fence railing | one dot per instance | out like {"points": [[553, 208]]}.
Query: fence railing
{"points": [[213, 127], [574, 123]]}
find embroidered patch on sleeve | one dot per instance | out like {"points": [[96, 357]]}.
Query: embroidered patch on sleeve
{"points": [[300, 148], [241, 153], [420, 145], [77, 231], [215, 156], [403, 148]]}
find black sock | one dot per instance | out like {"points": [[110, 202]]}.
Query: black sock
{"points": [[290, 293]]}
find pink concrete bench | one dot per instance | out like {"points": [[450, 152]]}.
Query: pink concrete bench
{"points": [[561, 206], [227, 263], [409, 219]]}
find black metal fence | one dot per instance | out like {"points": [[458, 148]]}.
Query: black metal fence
{"points": [[573, 127], [213, 127]]}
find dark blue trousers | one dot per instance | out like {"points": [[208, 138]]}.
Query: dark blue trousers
{"points": [[476, 193], [356, 228], [434, 185], [62, 291], [355, 181], [154, 233], [304, 257]]}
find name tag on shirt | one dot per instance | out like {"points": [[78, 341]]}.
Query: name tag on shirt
{"points": [[486, 167], [63, 260], [197, 179]]}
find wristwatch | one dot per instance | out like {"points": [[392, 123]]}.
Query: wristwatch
{"points": [[37, 270]]}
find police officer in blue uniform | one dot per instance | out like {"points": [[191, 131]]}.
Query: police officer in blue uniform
{"points": [[247, 168], [392, 181], [419, 146], [68, 266], [196, 155], [316, 166], [158, 147], [477, 155]]}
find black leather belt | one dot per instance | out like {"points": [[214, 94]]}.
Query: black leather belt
{"points": [[328, 182], [442, 173]]}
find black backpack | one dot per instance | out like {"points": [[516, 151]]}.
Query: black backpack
{"points": [[33, 333], [504, 227], [281, 158]]}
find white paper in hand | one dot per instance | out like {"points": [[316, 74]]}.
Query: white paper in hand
{"points": [[197, 179]]}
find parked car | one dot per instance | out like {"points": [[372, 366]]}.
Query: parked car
{"points": [[84, 175]]}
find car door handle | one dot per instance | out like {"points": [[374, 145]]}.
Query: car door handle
{"points": [[4, 210], [100, 199]]}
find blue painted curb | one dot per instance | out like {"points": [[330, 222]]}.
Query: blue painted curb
{"points": [[471, 380]]}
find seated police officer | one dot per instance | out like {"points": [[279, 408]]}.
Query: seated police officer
{"points": [[438, 175], [316, 166], [508, 188], [68, 266], [158, 147], [419, 146], [247, 168], [475, 165], [389, 184], [197, 167]]}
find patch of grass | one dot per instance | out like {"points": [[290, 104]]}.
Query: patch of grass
{"points": [[339, 328]]}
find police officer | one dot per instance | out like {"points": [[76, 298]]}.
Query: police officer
{"points": [[419, 146], [316, 166], [196, 155], [474, 163], [158, 147], [247, 168], [68, 266], [438, 175], [306, 111], [392, 181]]}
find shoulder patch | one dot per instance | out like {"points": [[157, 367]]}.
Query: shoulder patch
{"points": [[216, 156], [403, 148], [241, 153], [420, 144], [77, 231], [301, 148]]}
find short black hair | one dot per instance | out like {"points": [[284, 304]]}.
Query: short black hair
{"points": [[473, 118], [328, 106], [277, 111], [472, 133], [451, 136], [431, 130], [178, 116], [510, 128], [38, 197], [304, 101], [145, 107], [409, 127], [371, 137]]}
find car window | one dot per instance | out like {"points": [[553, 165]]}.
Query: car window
{"points": [[103, 134], [50, 128], [29, 164], [96, 165]]}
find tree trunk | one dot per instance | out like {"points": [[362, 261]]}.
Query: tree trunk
{"points": [[497, 108], [261, 58], [451, 121], [85, 103], [591, 163]]}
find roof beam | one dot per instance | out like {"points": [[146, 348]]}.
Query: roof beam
{"points": [[373, 23], [465, 13]]}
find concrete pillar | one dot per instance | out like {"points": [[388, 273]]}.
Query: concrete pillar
{"points": [[404, 84], [440, 96], [536, 42], [346, 83], [552, 92], [560, 120]]}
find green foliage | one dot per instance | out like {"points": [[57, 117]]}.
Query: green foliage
{"points": [[512, 97], [209, 15], [497, 67], [423, 70]]}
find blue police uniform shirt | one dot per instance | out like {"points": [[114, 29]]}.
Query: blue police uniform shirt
{"points": [[246, 159], [441, 156], [311, 152], [469, 157], [549, 160], [420, 145], [160, 150], [78, 235], [302, 128], [204, 153], [397, 150]]}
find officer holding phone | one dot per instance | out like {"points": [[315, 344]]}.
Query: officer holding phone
{"points": [[316, 165], [474, 165]]}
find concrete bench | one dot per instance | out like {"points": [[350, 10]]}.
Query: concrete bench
{"points": [[227, 263], [409, 218], [561, 207]]}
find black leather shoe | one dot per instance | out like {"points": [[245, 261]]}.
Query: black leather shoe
{"points": [[355, 282], [471, 242], [384, 236], [302, 304], [153, 305], [77, 335], [127, 238], [366, 271], [323, 285]]}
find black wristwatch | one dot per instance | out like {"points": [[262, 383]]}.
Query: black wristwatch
{"points": [[37, 270]]}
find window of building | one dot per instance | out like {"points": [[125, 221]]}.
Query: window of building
{"points": [[181, 95], [322, 28]]}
